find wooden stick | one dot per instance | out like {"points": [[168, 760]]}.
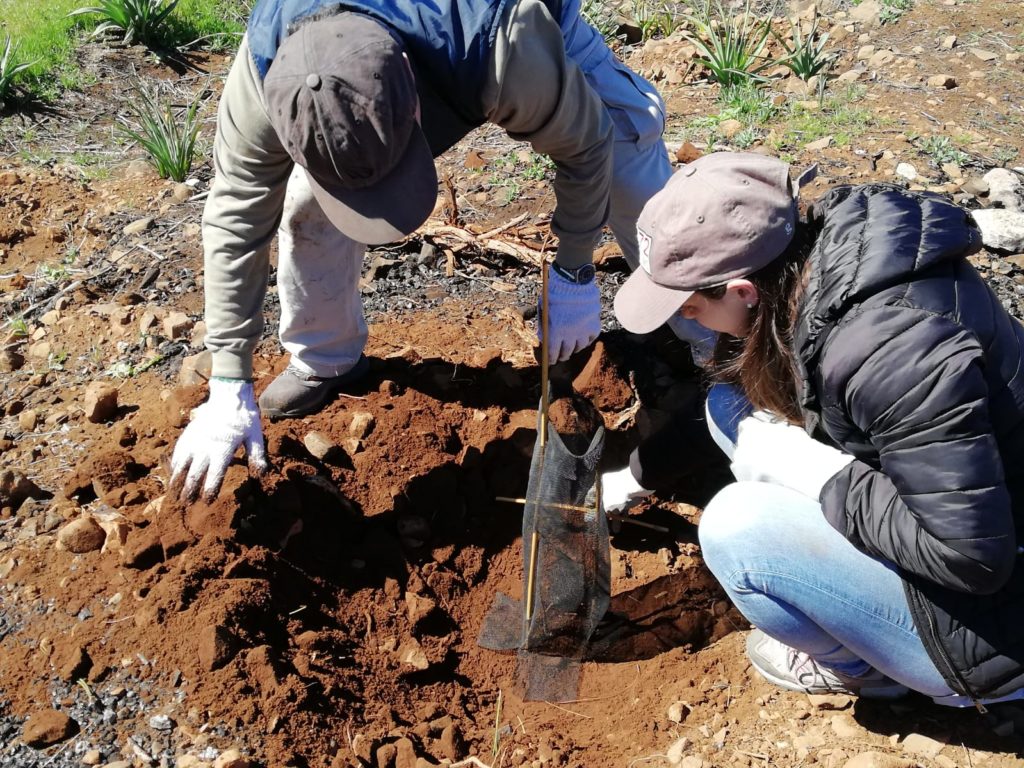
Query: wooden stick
{"points": [[552, 504], [543, 436], [611, 515]]}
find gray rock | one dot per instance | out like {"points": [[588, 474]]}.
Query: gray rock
{"points": [[1005, 188], [1001, 229], [161, 723]]}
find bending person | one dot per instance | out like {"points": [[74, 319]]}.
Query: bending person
{"points": [[872, 406]]}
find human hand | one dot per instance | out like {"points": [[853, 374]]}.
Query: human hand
{"points": [[574, 317], [227, 419], [619, 490], [774, 451]]}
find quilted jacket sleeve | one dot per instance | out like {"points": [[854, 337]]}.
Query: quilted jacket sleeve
{"points": [[912, 384]]}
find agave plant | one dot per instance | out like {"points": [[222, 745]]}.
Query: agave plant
{"points": [[731, 47], [806, 56], [169, 139], [10, 68], [140, 21]]}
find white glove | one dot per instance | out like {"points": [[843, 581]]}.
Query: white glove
{"points": [[574, 316], [772, 451], [620, 490], [227, 419]]}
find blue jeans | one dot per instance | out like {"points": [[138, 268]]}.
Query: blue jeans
{"points": [[796, 578], [641, 164]]}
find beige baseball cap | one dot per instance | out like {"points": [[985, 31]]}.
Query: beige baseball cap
{"points": [[723, 216]]}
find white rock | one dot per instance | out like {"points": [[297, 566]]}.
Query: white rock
{"points": [[869, 12], [907, 171], [674, 753], [918, 744], [1001, 229], [1005, 188]]}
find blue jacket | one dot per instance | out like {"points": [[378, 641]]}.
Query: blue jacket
{"points": [[449, 43]]}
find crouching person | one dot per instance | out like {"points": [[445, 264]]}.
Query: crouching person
{"points": [[872, 405]]}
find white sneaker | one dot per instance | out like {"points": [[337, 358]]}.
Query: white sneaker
{"points": [[796, 671]]}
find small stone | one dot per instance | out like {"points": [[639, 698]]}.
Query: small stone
{"points": [[386, 756], [27, 420], [15, 488], [405, 755], [11, 361], [92, 757], [177, 325], [881, 58], [181, 193], [81, 535], [729, 128], [852, 75], [100, 402], [942, 81], [362, 424], [906, 171], [983, 55], [364, 747], [674, 754], [40, 350], [948, 43], [48, 727], [919, 744], [320, 446], [820, 144], [411, 652], [1005, 189], [678, 711], [161, 723], [976, 186], [418, 607], [139, 226], [451, 742], [687, 153], [230, 758], [865, 52], [76, 665], [217, 646], [845, 727], [1001, 229], [196, 369]]}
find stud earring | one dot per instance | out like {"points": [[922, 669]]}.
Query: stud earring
{"points": [[750, 306]]}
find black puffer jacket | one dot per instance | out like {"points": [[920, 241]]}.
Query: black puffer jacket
{"points": [[911, 364]]}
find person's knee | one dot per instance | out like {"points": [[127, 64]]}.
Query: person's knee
{"points": [[730, 521]]}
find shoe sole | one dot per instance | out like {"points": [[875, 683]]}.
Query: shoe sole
{"points": [[357, 372], [893, 691]]}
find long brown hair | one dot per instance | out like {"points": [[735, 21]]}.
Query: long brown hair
{"points": [[764, 364]]}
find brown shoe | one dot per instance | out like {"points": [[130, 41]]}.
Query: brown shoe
{"points": [[295, 393]]}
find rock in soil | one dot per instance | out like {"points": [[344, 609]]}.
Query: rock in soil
{"points": [[48, 727], [100, 402], [81, 535]]}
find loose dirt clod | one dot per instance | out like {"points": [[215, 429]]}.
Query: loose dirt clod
{"points": [[81, 535], [48, 727]]}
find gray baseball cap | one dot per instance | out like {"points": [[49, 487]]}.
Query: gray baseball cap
{"points": [[342, 98], [723, 216]]}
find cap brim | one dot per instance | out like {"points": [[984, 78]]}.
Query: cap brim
{"points": [[641, 305], [391, 209]]}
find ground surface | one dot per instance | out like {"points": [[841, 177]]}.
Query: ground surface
{"points": [[327, 613]]}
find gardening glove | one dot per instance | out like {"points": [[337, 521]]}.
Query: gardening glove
{"points": [[574, 317], [227, 419], [773, 451], [619, 490]]}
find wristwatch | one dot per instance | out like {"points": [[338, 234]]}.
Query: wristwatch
{"points": [[578, 275]]}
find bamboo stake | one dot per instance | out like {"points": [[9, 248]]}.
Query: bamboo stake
{"points": [[611, 515], [543, 436]]}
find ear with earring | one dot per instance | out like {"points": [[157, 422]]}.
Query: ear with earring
{"points": [[750, 306]]}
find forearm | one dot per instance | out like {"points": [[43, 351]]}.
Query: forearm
{"points": [[240, 218]]}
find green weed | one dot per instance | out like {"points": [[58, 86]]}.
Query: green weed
{"points": [[747, 103], [169, 139], [655, 20], [10, 68], [731, 48], [893, 10], [806, 56], [601, 16], [138, 21], [18, 326], [941, 150], [839, 117], [745, 138]]}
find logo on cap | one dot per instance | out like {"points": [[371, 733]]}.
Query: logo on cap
{"points": [[643, 241]]}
